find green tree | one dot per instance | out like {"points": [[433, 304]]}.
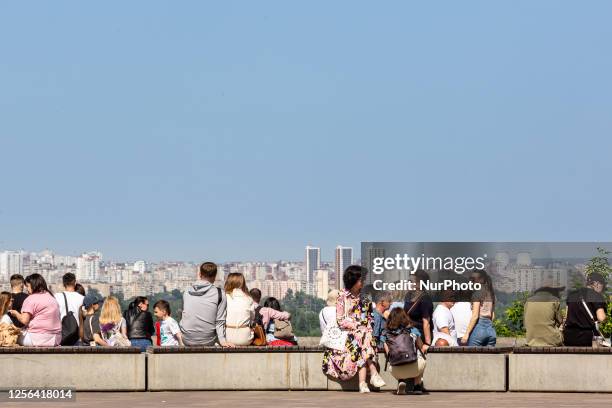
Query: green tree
{"points": [[600, 264], [510, 323]]}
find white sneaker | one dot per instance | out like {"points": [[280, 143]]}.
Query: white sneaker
{"points": [[377, 381], [363, 387], [401, 388]]}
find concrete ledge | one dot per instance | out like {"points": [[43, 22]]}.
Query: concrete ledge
{"points": [[85, 371], [235, 370], [560, 372]]}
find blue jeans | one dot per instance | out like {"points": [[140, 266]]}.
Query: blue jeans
{"points": [[483, 333], [142, 343]]}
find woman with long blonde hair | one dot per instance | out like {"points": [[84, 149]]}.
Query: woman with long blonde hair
{"points": [[112, 325], [240, 310]]}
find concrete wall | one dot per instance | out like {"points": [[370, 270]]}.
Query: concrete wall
{"points": [[83, 372], [236, 371], [560, 372]]}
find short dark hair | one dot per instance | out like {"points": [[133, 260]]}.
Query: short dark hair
{"points": [[255, 294], [162, 305], [208, 270], [37, 283], [16, 279], [69, 279], [352, 275]]}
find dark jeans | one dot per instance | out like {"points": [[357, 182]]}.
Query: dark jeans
{"points": [[142, 343]]}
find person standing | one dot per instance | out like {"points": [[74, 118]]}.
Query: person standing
{"points": [[480, 331], [39, 314], [139, 322], [419, 306], [18, 296], [354, 314], [586, 307]]}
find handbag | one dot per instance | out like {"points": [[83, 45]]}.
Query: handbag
{"points": [[333, 337], [283, 329]]}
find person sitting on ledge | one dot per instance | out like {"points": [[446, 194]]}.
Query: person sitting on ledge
{"points": [[354, 314], [90, 332], [585, 306], [443, 322], [169, 330], [204, 311], [139, 321], [542, 316], [40, 314], [240, 310], [279, 331]]}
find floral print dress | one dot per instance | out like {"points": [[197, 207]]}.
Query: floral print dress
{"points": [[354, 315]]}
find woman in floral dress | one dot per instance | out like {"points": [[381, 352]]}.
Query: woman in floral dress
{"points": [[354, 315]]}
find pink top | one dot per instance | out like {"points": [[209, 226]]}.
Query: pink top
{"points": [[45, 313], [268, 313]]}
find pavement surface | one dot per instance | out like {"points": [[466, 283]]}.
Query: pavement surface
{"points": [[335, 399]]}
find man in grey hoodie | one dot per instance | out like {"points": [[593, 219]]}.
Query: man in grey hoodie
{"points": [[204, 311]]}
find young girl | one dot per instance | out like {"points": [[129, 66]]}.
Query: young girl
{"points": [[112, 325], [272, 340], [397, 323], [5, 305]]}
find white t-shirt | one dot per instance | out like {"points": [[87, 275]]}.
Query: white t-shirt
{"points": [[462, 313], [442, 317], [6, 319], [75, 301], [327, 316], [168, 329]]}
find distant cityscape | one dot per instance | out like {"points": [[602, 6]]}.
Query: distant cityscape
{"points": [[140, 278]]}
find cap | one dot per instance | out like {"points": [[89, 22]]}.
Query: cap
{"points": [[91, 300]]}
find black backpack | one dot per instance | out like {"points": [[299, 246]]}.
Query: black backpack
{"points": [[70, 327], [402, 348]]}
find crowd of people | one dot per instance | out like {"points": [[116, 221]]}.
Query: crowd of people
{"points": [[211, 316], [403, 326]]}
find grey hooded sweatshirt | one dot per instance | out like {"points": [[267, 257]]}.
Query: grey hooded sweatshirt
{"points": [[203, 320]]}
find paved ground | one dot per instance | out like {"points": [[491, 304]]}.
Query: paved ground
{"points": [[334, 399]]}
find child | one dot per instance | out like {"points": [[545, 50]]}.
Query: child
{"points": [[399, 323], [169, 330], [112, 325], [5, 305]]}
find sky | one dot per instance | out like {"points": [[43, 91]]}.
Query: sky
{"points": [[247, 130]]}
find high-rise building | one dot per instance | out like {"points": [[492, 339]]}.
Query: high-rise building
{"points": [[368, 261], [88, 267], [11, 262], [313, 262], [322, 283], [344, 258]]}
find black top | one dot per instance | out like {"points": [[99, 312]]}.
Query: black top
{"points": [[91, 322], [423, 310], [18, 299], [577, 316], [139, 324]]}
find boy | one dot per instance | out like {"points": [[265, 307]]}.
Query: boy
{"points": [[169, 330], [17, 283]]}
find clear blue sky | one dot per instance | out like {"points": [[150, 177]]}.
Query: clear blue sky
{"points": [[246, 130]]}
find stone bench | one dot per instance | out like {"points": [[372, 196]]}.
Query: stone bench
{"points": [[560, 369], [79, 368], [299, 368], [241, 368]]}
